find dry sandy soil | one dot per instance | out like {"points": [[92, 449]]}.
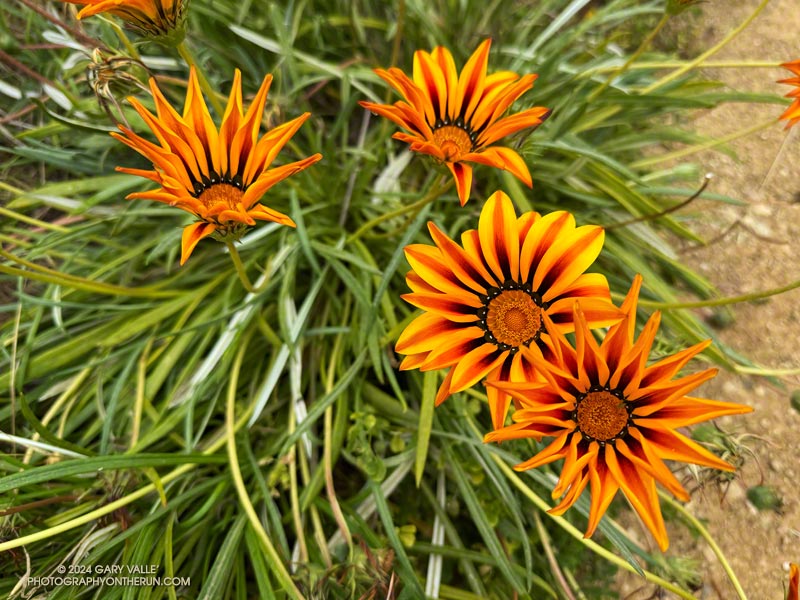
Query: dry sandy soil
{"points": [[757, 253]]}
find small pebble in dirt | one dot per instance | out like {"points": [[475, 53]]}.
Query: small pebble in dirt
{"points": [[722, 318], [794, 400], [764, 497]]}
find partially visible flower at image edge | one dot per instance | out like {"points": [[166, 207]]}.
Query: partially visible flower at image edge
{"points": [[794, 582], [456, 117], [217, 175], [484, 300], [613, 417], [792, 114], [161, 20]]}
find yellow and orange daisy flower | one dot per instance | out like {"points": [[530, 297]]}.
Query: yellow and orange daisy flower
{"points": [[218, 176], [485, 299], [457, 117], [613, 417], [162, 20], [794, 582], [792, 114]]}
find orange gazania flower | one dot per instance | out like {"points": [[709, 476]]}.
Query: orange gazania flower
{"points": [[486, 299], [614, 419], [160, 19], [456, 118], [794, 582], [218, 176], [792, 114]]}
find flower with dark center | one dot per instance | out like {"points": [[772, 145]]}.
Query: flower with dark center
{"points": [[792, 114], [160, 20], [487, 298], [613, 417], [220, 175], [457, 117]]}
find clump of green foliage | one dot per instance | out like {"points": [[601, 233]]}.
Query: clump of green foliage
{"points": [[150, 404]]}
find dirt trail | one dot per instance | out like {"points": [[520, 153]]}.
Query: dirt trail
{"points": [[758, 253]]}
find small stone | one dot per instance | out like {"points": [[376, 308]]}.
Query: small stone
{"points": [[794, 400], [764, 497]]}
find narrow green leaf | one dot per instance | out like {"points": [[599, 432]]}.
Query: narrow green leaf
{"points": [[429, 380]]}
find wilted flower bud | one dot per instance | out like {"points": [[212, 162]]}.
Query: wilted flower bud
{"points": [[163, 21], [110, 77]]}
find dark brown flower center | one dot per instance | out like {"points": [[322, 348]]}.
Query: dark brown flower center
{"points": [[221, 193], [453, 140], [601, 415], [513, 318]]}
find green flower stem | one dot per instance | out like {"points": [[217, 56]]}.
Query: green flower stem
{"points": [[698, 526], [437, 189], [183, 50], [336, 509], [294, 496], [11, 214], [40, 273], [647, 162], [141, 382], [551, 558], [242, 272], [765, 372], [710, 52], [631, 59], [230, 437], [129, 47], [675, 64], [720, 301]]}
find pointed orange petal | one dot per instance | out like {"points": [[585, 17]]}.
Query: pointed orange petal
{"points": [[453, 348], [269, 178], [462, 173], [429, 78], [647, 459], [540, 238], [428, 263], [444, 389], [671, 445], [497, 230], [640, 490], [567, 259], [668, 367], [688, 411], [470, 272], [423, 334], [192, 234], [472, 81], [533, 117], [502, 158], [447, 65], [552, 452], [476, 365], [604, 488], [264, 213]]}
